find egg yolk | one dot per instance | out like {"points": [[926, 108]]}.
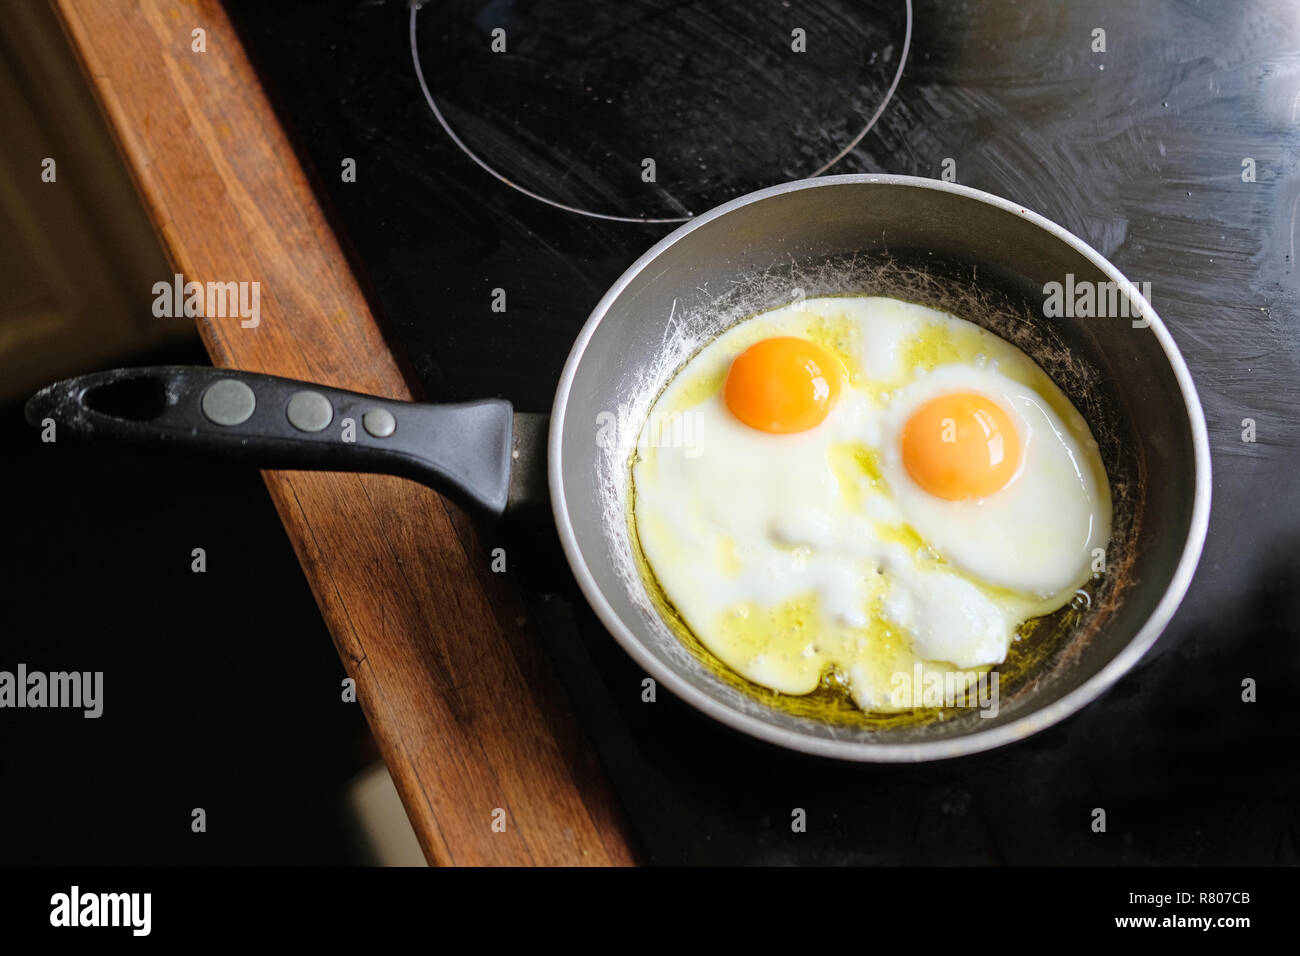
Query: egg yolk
{"points": [[783, 385], [961, 446]]}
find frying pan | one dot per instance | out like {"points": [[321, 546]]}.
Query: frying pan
{"points": [[938, 244]]}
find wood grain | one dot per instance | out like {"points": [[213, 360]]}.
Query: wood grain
{"points": [[466, 711]]}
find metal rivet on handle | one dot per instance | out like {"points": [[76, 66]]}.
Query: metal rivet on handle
{"points": [[228, 402], [310, 411], [379, 422]]}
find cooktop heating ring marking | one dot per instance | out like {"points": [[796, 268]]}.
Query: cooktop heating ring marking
{"points": [[490, 170]]}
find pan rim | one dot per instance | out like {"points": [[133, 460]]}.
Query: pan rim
{"points": [[863, 751]]}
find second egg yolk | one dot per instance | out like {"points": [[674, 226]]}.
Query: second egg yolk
{"points": [[783, 385], [961, 446]]}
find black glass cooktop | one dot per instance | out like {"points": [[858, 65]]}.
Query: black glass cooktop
{"points": [[538, 148]]}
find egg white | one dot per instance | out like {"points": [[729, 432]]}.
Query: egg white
{"points": [[791, 557]]}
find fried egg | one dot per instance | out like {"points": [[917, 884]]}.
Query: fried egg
{"points": [[848, 489]]}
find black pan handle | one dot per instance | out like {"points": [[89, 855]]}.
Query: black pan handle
{"points": [[230, 416]]}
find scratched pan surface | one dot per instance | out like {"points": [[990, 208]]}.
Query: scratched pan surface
{"points": [[951, 248]]}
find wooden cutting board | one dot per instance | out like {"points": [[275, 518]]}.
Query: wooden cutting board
{"points": [[449, 671]]}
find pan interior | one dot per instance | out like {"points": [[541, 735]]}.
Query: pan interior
{"points": [[939, 249]]}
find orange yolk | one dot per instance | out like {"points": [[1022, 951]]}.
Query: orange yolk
{"points": [[961, 446], [783, 385]]}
